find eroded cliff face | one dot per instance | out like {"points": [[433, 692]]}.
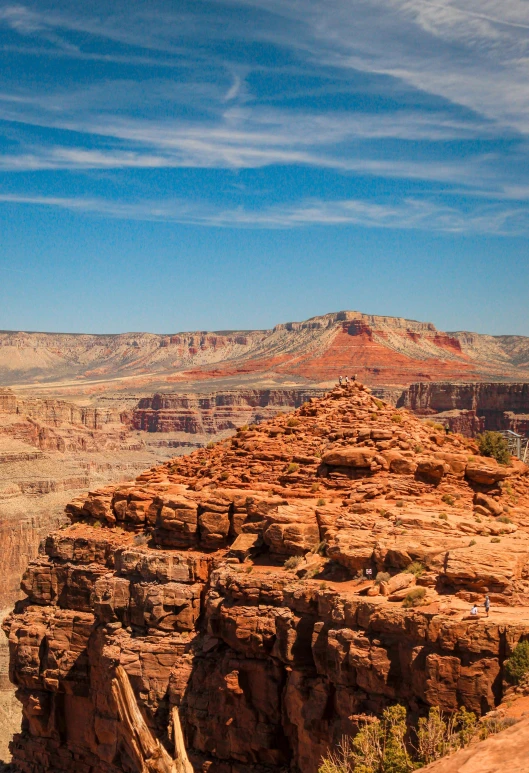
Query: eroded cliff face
{"points": [[176, 584], [215, 412], [471, 408]]}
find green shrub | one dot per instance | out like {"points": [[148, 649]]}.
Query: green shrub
{"points": [[382, 577], [319, 548], [399, 503], [436, 425], [382, 745], [418, 448], [471, 543], [321, 502], [293, 422], [397, 418], [315, 487], [379, 404], [292, 467], [448, 499], [415, 598], [224, 475], [504, 519], [415, 568], [493, 725], [495, 539], [443, 516], [494, 444], [293, 562], [518, 664]]}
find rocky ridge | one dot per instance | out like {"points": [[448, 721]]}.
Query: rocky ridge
{"points": [[229, 590]]}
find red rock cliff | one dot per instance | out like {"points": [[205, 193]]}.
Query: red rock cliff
{"points": [[175, 588]]}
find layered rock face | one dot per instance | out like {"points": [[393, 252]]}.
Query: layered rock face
{"points": [[216, 412], [58, 425], [388, 351], [233, 590], [472, 407]]}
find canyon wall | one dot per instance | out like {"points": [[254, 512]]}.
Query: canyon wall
{"points": [[472, 407], [216, 412], [231, 592]]}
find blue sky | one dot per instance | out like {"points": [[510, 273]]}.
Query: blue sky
{"points": [[208, 164]]}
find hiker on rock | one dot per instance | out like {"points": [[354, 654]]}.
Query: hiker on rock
{"points": [[487, 605], [340, 380], [474, 610], [346, 380]]}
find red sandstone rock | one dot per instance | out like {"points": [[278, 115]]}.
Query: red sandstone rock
{"points": [[267, 665]]}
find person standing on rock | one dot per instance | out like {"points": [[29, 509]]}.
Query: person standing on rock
{"points": [[340, 380], [346, 380], [487, 605]]}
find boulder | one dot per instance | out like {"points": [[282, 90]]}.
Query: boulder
{"points": [[350, 456], [398, 463], [489, 504], [486, 472], [431, 469]]}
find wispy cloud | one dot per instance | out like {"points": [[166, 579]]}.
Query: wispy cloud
{"points": [[451, 79], [406, 214]]}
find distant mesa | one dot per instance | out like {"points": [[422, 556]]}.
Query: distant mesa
{"points": [[383, 351]]}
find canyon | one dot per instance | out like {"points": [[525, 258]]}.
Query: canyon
{"points": [[78, 412], [234, 593]]}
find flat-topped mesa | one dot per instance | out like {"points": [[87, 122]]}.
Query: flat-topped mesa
{"points": [[236, 587]]}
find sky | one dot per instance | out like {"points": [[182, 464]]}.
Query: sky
{"points": [[232, 164]]}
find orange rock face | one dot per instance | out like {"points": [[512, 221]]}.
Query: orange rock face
{"points": [[237, 586]]}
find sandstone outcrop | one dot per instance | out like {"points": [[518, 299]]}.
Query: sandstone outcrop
{"points": [[238, 587]]}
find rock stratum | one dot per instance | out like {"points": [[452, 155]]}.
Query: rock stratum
{"points": [[216, 412], [387, 351], [225, 594], [471, 408]]}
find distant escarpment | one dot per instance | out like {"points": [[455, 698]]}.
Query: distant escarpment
{"points": [[216, 412], [471, 408], [381, 351], [262, 597]]}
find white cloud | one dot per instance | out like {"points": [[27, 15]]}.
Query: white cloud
{"points": [[407, 214]]}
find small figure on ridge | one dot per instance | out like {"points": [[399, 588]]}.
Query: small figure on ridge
{"points": [[487, 605]]}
